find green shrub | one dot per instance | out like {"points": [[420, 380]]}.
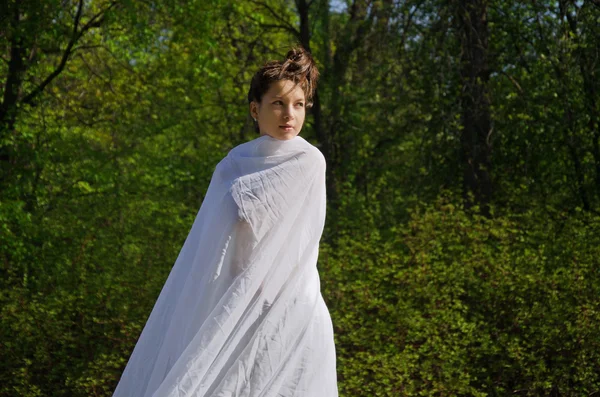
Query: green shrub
{"points": [[459, 305]]}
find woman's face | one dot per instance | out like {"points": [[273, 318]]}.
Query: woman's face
{"points": [[281, 111]]}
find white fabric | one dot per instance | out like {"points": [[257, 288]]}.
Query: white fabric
{"points": [[241, 313]]}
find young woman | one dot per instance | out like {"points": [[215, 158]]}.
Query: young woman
{"points": [[241, 313]]}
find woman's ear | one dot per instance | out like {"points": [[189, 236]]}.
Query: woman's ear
{"points": [[254, 110]]}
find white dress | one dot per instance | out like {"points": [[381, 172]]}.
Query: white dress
{"points": [[241, 313]]}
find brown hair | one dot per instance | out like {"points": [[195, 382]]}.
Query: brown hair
{"points": [[298, 66]]}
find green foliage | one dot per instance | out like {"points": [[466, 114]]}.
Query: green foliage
{"points": [[458, 304], [102, 174]]}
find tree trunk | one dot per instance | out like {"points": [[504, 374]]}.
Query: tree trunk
{"points": [[322, 137], [8, 106], [475, 103], [590, 84]]}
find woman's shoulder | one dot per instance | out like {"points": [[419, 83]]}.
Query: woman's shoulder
{"points": [[316, 154], [312, 153]]}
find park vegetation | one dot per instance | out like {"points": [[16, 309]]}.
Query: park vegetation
{"points": [[461, 253]]}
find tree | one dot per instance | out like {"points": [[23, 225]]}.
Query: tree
{"points": [[39, 40], [471, 19]]}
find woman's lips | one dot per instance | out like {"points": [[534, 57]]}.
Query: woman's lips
{"points": [[286, 127]]}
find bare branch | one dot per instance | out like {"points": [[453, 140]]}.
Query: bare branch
{"points": [[95, 21], [278, 17], [513, 81]]}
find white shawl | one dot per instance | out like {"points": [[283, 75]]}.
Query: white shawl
{"points": [[241, 313]]}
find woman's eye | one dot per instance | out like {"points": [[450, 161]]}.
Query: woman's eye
{"points": [[300, 104], [277, 103]]}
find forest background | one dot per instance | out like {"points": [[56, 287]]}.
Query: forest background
{"points": [[461, 252]]}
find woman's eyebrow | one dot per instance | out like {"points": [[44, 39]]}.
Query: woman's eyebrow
{"points": [[296, 99]]}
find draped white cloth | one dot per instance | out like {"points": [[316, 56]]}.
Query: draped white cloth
{"points": [[241, 313]]}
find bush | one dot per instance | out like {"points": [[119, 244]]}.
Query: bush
{"points": [[451, 304]]}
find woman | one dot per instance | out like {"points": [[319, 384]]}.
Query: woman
{"points": [[241, 313]]}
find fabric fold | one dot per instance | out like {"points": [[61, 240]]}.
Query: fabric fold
{"points": [[241, 313]]}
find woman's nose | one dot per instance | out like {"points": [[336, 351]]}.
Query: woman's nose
{"points": [[289, 114]]}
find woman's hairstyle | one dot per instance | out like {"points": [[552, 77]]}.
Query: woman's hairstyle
{"points": [[298, 67]]}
